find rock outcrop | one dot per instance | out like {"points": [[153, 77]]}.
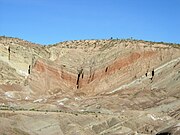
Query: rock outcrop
{"points": [[94, 77]]}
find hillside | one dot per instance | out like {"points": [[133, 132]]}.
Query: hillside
{"points": [[87, 87]]}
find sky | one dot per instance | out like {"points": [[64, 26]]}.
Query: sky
{"points": [[52, 21]]}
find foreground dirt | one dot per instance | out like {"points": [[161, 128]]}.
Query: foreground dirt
{"points": [[105, 87], [126, 122]]}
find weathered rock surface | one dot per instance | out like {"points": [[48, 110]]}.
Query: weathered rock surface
{"points": [[100, 86]]}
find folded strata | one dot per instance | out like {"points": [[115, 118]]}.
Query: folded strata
{"points": [[105, 76]]}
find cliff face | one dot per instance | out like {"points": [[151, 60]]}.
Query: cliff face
{"points": [[104, 76], [88, 66], [101, 66]]}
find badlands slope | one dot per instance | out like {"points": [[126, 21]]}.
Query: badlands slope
{"points": [[89, 87]]}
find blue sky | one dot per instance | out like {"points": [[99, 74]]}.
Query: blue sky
{"points": [[52, 21]]}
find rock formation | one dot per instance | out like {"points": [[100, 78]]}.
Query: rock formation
{"points": [[89, 87]]}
